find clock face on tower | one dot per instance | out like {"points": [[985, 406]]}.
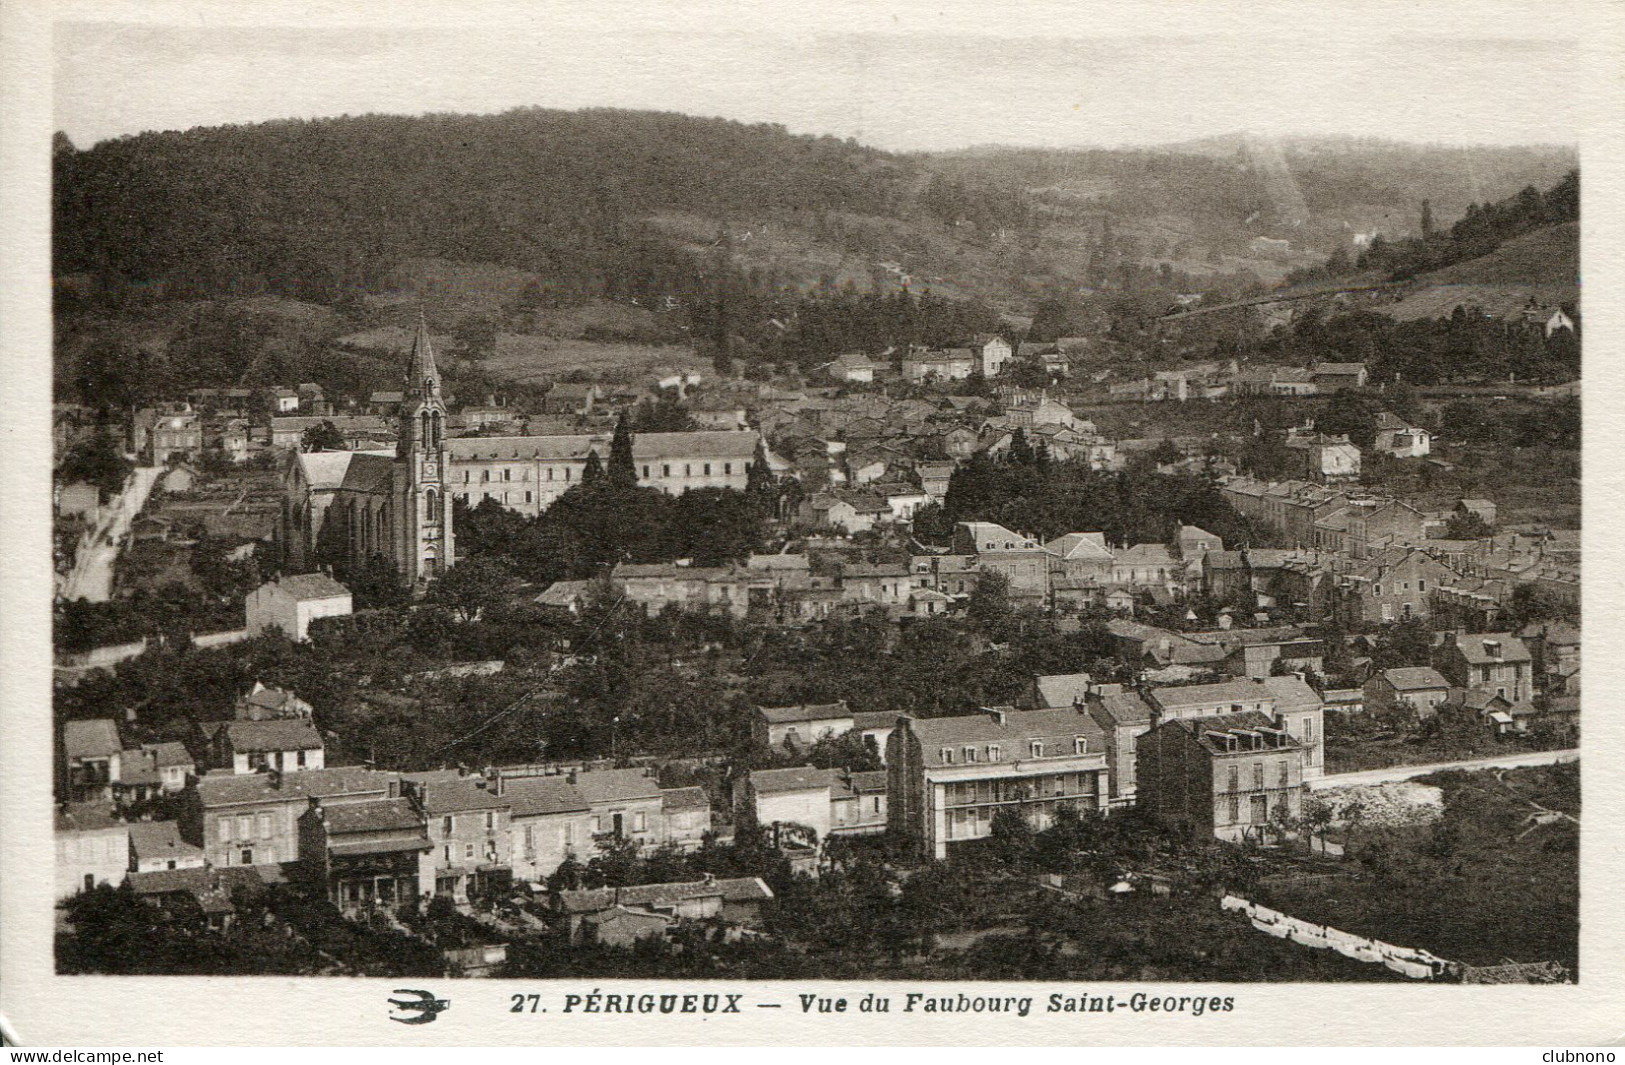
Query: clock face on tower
{"points": [[430, 468]]}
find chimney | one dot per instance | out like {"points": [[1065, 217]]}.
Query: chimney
{"points": [[275, 776], [708, 878]]}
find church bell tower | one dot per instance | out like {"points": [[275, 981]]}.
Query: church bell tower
{"points": [[425, 545]]}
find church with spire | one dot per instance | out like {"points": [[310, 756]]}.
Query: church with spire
{"points": [[346, 509]]}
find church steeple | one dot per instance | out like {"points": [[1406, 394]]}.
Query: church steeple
{"points": [[422, 376]]}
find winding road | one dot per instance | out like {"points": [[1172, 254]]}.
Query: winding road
{"points": [[92, 575], [1411, 772]]}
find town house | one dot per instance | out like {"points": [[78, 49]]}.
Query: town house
{"points": [[252, 818], [286, 744], [374, 853], [800, 726], [467, 830], [292, 603], [91, 752], [1124, 717], [1421, 689], [1231, 776], [949, 776], [92, 848], [1494, 661]]}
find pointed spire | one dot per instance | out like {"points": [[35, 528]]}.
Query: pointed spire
{"points": [[421, 372]]}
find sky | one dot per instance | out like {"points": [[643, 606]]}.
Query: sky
{"points": [[927, 84]]}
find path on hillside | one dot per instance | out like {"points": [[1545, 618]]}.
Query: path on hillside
{"points": [[1410, 772], [92, 576]]}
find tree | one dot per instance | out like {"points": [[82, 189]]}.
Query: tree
{"points": [[323, 436], [1012, 837], [1427, 220], [1021, 451], [989, 601], [96, 461], [623, 470], [593, 472], [469, 587]]}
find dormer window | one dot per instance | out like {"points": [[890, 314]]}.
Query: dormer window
{"points": [[1037, 749], [993, 753], [1080, 745], [970, 754], [947, 756]]}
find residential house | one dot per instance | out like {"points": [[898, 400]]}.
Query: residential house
{"points": [[177, 435], [1192, 542], [1495, 661], [954, 364], [800, 795], [1483, 509], [92, 848], [252, 818], [934, 478], [1124, 717], [853, 367], [624, 804], [1081, 556], [1325, 458], [368, 854], [157, 845], [857, 802], [287, 745], [550, 820], [1022, 560], [685, 816], [621, 916], [263, 703], [1398, 439], [153, 769], [849, 511], [1336, 376], [991, 352], [1300, 710], [468, 832], [1394, 584], [1231, 776], [1059, 691], [1287, 702], [1148, 565], [875, 726], [91, 750], [800, 726], [1421, 689], [950, 775], [292, 603]]}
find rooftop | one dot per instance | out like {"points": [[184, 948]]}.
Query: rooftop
{"points": [[1013, 730], [796, 778], [281, 734], [305, 586], [227, 789], [785, 715], [742, 889], [539, 796], [96, 738], [1414, 678]]}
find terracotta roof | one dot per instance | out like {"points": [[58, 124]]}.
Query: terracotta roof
{"points": [[617, 785], [1414, 678], [95, 738], [1056, 729], [796, 778], [540, 796], [373, 815], [226, 789], [742, 889], [684, 799], [784, 715]]}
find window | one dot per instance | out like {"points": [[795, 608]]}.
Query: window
{"points": [[299, 759], [688, 469], [1258, 776], [1376, 589], [1421, 586], [566, 473], [468, 850], [527, 497], [225, 829], [876, 801], [1080, 745], [597, 825], [465, 476], [265, 826], [1037, 749], [638, 822], [507, 474], [728, 468], [485, 476], [550, 473], [569, 834], [445, 825], [247, 856], [646, 471], [665, 469], [1309, 730], [490, 821], [245, 827], [530, 841], [1286, 775], [970, 754], [447, 851], [1234, 811], [992, 755], [1235, 783], [947, 756]]}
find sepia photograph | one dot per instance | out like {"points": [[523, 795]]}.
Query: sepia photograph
{"points": [[586, 501]]}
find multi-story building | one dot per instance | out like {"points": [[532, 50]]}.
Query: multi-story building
{"points": [[291, 603], [801, 725], [1124, 718], [857, 802], [363, 855], [1233, 776], [252, 818], [92, 848], [468, 830], [288, 745], [550, 821], [1021, 560], [1494, 661], [527, 473], [949, 776], [157, 845], [91, 753], [625, 804], [1287, 702], [1419, 688], [799, 795]]}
